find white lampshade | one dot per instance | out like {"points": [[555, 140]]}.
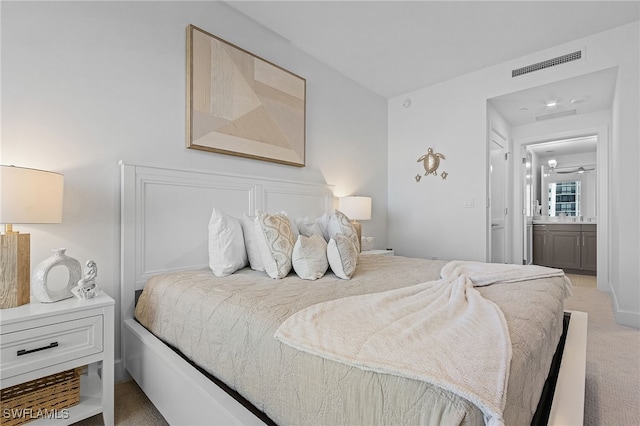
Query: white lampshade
{"points": [[356, 207], [30, 195]]}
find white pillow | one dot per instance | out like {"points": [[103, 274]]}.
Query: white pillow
{"points": [[309, 257], [323, 225], [307, 226], [342, 256], [251, 243], [227, 252], [275, 243], [339, 224]]}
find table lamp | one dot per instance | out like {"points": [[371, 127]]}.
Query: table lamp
{"points": [[27, 196], [356, 208]]}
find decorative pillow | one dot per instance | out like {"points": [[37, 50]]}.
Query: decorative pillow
{"points": [[307, 226], [275, 243], [339, 224], [292, 225], [227, 251], [251, 242], [323, 225], [342, 256], [310, 257]]}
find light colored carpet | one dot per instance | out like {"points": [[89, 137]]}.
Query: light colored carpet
{"points": [[612, 377], [612, 394], [132, 408]]}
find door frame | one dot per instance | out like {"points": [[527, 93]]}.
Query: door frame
{"points": [[602, 166]]}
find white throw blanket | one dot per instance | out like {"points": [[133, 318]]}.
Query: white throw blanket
{"points": [[442, 332], [482, 274]]}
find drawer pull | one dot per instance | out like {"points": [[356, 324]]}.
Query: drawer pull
{"points": [[24, 351]]}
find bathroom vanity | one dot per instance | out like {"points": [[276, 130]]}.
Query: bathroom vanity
{"points": [[571, 246]]}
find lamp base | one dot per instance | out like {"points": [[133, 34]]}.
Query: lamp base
{"points": [[358, 228], [14, 270]]}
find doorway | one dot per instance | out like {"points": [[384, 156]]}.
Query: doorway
{"points": [[565, 109], [591, 153]]}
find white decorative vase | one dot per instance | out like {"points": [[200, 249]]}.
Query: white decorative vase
{"points": [[40, 276]]}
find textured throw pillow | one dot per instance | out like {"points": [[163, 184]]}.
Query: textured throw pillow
{"points": [[339, 224], [275, 243], [342, 256], [309, 257], [251, 243], [292, 225], [227, 251]]}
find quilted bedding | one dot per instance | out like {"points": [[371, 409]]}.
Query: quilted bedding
{"points": [[226, 326]]}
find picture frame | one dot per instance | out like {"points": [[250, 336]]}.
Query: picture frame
{"points": [[240, 104]]}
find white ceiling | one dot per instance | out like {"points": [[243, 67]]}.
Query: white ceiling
{"points": [[560, 148], [584, 94], [394, 47]]}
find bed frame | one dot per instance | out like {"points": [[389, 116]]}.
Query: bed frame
{"points": [[164, 218]]}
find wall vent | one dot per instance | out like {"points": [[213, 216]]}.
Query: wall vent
{"points": [[556, 115], [570, 57]]}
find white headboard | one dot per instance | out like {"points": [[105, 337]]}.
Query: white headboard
{"points": [[165, 216]]}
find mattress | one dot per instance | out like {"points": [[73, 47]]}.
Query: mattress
{"points": [[226, 326]]}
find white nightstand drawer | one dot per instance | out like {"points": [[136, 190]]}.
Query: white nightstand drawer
{"points": [[33, 348]]}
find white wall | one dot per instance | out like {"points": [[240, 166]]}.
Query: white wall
{"points": [[85, 84], [430, 219]]}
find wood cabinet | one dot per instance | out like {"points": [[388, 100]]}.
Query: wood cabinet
{"points": [[540, 245], [565, 246], [589, 256]]}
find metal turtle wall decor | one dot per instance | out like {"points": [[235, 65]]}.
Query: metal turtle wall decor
{"points": [[431, 162]]}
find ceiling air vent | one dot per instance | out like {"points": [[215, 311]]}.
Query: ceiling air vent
{"points": [[570, 57]]}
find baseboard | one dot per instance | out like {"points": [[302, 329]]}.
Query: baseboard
{"points": [[621, 316]]}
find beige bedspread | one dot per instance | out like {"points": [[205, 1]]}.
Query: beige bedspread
{"points": [[226, 325]]}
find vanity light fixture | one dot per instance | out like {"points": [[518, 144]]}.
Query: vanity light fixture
{"points": [[553, 163]]}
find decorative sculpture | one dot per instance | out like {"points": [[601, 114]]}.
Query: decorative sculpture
{"points": [[431, 162], [40, 277], [87, 287]]}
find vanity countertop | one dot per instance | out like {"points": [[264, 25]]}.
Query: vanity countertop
{"points": [[566, 221]]}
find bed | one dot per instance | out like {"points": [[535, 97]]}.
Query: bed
{"points": [[241, 374]]}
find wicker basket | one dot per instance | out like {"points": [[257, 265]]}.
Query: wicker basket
{"points": [[40, 398]]}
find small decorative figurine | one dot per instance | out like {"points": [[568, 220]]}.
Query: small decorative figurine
{"points": [[86, 287], [431, 162]]}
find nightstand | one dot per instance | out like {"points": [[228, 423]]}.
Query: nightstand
{"points": [[41, 339], [378, 252]]}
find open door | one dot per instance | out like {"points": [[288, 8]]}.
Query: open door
{"points": [[497, 197]]}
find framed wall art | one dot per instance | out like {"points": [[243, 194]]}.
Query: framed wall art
{"points": [[240, 104]]}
